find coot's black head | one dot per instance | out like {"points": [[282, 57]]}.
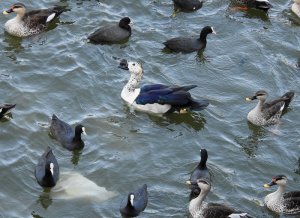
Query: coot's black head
{"points": [[206, 30], [262, 5], [130, 200], [124, 23], [79, 129]]}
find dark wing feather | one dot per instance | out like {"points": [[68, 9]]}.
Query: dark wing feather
{"points": [[293, 194], [214, 210], [149, 87], [272, 108], [161, 94], [38, 17], [292, 203]]}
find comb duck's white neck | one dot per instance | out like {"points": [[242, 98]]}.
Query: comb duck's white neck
{"points": [[131, 90]]}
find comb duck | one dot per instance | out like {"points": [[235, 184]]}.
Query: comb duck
{"points": [[157, 98]]}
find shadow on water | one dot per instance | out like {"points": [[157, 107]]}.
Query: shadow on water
{"points": [[44, 199], [13, 46], [250, 144], [76, 156], [194, 121]]}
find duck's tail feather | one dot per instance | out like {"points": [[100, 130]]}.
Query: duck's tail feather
{"points": [[199, 104], [287, 97]]}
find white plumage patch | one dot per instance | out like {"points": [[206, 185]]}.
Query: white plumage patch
{"points": [[51, 168], [50, 17], [237, 215], [1, 110]]}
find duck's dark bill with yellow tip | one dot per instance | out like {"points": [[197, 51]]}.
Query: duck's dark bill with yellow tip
{"points": [[250, 98], [268, 185], [124, 64], [8, 11]]}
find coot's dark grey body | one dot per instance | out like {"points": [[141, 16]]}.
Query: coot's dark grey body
{"points": [[5, 109], [188, 44], [64, 133], [43, 174], [112, 33], [139, 203], [200, 172], [188, 5]]}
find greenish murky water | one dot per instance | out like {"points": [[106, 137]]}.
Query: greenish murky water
{"points": [[59, 72]]}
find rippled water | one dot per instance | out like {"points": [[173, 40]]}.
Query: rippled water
{"points": [[59, 72]]}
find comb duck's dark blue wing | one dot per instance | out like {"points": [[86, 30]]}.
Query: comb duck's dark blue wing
{"points": [[162, 94]]}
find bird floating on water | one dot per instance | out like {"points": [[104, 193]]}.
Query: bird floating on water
{"points": [[200, 172], [188, 5], [199, 209], [47, 170], [64, 133], [280, 202], [6, 109], [135, 202], [266, 113], [258, 4], [31, 22], [189, 44], [112, 33], [157, 98]]}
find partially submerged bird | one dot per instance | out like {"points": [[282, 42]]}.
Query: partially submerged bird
{"points": [[47, 170], [112, 33], [280, 202], [199, 209], [188, 5], [266, 113], [200, 172], [189, 44], [31, 22], [135, 202], [64, 133], [296, 7], [258, 4], [157, 98], [6, 109]]}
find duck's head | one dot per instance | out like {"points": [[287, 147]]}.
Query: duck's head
{"points": [[18, 8], [277, 180], [260, 95], [204, 185], [134, 67], [80, 129], [124, 23], [262, 5]]}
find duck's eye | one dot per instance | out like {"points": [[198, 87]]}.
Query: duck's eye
{"points": [[133, 64]]}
